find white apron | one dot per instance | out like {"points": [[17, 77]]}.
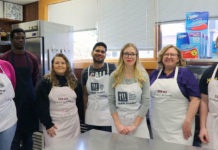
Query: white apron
{"points": [[97, 112], [128, 102], [8, 115], [167, 111], [64, 114], [212, 118]]}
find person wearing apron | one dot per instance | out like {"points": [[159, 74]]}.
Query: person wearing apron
{"points": [[129, 95], [56, 102], [8, 116], [95, 80], [174, 99], [26, 68], [209, 109]]}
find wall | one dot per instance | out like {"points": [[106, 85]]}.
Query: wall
{"points": [[170, 10], [81, 14], [70, 9], [165, 10], [43, 7]]}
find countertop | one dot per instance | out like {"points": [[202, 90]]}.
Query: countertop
{"points": [[100, 140]]}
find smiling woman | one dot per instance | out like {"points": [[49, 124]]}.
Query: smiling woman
{"points": [[59, 65], [175, 98], [129, 94], [56, 96]]}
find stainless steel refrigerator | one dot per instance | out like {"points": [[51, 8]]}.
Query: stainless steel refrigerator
{"points": [[45, 39]]}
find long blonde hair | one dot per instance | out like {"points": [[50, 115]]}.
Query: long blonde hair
{"points": [[138, 70], [71, 79]]}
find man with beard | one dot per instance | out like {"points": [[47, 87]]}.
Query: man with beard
{"points": [[95, 80], [26, 68]]}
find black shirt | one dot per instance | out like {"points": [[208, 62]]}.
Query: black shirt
{"points": [[205, 79], [42, 100]]}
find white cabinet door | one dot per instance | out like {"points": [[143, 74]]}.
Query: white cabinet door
{"points": [[13, 11]]}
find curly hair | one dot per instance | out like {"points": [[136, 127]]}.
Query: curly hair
{"points": [[71, 79]]}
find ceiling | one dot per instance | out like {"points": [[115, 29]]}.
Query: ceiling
{"points": [[21, 2]]}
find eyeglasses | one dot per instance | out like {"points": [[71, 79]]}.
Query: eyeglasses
{"points": [[170, 54], [129, 54], [100, 51]]}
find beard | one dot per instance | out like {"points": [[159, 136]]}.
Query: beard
{"points": [[98, 61]]}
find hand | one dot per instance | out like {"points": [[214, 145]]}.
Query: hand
{"points": [[51, 131], [203, 135], [122, 129], [131, 128], [186, 128]]}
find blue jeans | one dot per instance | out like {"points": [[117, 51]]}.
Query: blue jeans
{"points": [[6, 138]]}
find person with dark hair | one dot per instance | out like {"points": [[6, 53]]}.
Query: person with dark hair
{"points": [[209, 106], [95, 90], [129, 94], [175, 98], [56, 102], [8, 116], [26, 68]]}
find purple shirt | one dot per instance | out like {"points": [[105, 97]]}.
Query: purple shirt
{"points": [[186, 80]]}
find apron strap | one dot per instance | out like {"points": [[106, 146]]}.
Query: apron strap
{"points": [[2, 69], [107, 68], [214, 72], [175, 75], [88, 70]]}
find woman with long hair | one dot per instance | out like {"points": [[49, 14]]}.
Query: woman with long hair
{"points": [[56, 102], [129, 94]]}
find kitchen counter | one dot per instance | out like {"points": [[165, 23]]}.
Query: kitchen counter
{"points": [[100, 140]]}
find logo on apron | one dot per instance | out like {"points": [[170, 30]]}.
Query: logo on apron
{"points": [[94, 86], [122, 97]]}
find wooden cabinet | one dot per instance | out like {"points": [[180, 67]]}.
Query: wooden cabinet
{"points": [[30, 12]]}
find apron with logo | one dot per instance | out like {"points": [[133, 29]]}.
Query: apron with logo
{"points": [[128, 102], [212, 118], [97, 112], [168, 110], [7, 107], [64, 114]]}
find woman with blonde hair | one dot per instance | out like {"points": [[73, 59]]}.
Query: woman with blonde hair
{"points": [[129, 94], [175, 98]]}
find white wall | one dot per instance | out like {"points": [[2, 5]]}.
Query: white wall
{"points": [[81, 14], [117, 21], [1, 9], [171, 10], [121, 21]]}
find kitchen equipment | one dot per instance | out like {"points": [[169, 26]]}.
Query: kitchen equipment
{"points": [[45, 39]]}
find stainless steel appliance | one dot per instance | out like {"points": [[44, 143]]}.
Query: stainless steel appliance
{"points": [[45, 39]]}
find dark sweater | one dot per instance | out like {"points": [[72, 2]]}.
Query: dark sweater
{"points": [[42, 101]]}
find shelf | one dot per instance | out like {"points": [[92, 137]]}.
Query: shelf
{"points": [[9, 20]]}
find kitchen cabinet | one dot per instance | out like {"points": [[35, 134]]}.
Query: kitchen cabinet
{"points": [[13, 11], [30, 12]]}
